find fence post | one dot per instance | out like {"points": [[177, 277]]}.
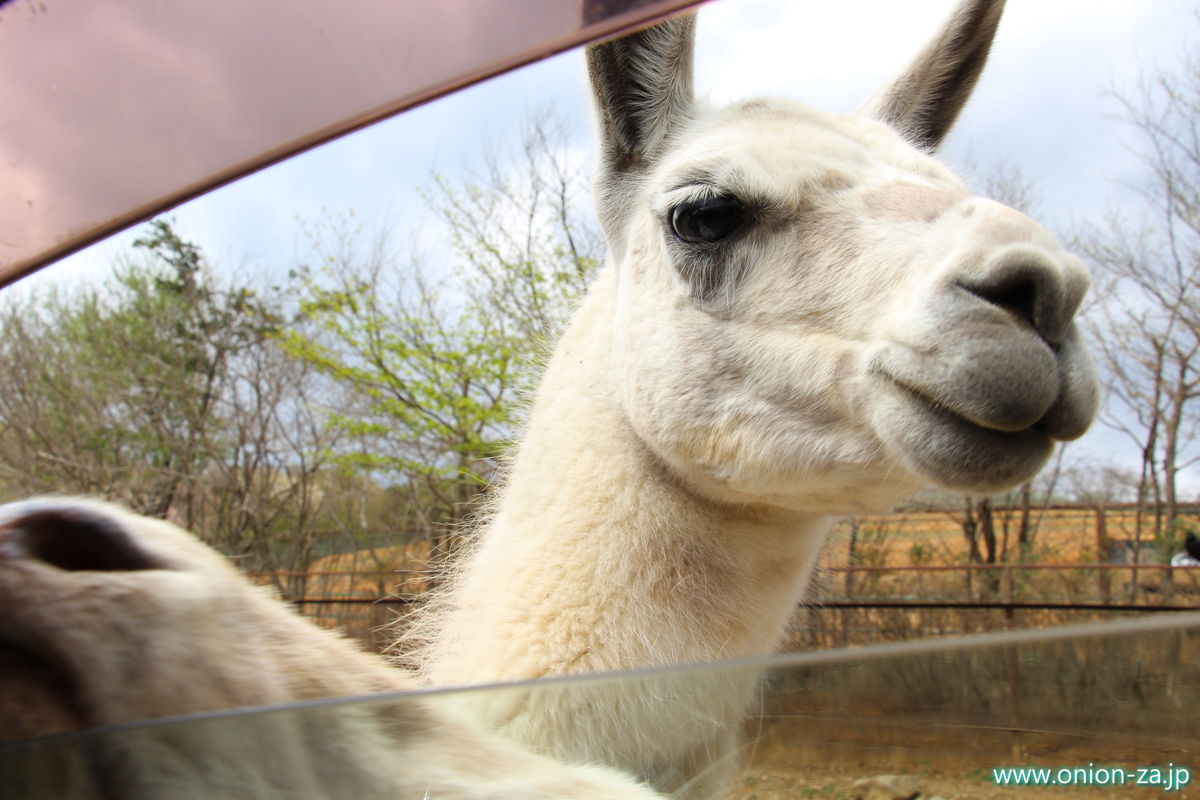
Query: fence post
{"points": [[852, 557], [1102, 555], [1007, 587]]}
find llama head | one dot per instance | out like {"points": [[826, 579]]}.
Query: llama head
{"points": [[107, 617], [811, 311], [110, 617]]}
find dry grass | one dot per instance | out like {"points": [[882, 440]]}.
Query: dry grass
{"points": [[1062, 536], [888, 545]]}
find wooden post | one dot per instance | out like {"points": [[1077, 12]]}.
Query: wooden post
{"points": [[1102, 555], [1007, 587], [852, 557]]}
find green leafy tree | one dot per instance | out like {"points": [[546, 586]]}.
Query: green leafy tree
{"points": [[427, 386], [433, 368]]}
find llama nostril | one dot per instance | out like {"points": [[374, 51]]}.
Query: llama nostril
{"points": [[72, 539], [1028, 285], [1019, 297]]}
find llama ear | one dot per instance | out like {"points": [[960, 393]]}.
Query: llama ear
{"points": [[923, 102], [642, 89], [72, 538]]}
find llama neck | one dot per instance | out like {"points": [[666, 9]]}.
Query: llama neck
{"points": [[598, 558]]}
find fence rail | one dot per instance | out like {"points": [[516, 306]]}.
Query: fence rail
{"points": [[1009, 581], [852, 604], [847, 605], [376, 574]]}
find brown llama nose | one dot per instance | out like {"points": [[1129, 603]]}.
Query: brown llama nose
{"points": [[1038, 288]]}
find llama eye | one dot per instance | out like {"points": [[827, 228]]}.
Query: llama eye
{"points": [[706, 221]]}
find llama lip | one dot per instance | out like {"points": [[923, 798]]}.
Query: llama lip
{"points": [[937, 403], [952, 450], [940, 406], [1001, 383], [1002, 380]]}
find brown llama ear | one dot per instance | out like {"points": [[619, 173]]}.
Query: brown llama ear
{"points": [[71, 538], [923, 102], [642, 89]]}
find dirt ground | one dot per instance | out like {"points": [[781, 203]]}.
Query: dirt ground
{"points": [[817, 786]]}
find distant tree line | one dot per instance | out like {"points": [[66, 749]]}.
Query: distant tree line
{"points": [[372, 394], [377, 392]]}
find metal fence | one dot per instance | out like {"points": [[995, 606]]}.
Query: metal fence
{"points": [[850, 606]]}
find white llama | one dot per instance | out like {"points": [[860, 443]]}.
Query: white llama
{"points": [[107, 617], [802, 315]]}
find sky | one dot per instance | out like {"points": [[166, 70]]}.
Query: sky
{"points": [[1044, 105]]}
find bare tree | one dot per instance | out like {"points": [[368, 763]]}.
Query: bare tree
{"points": [[111, 390], [1007, 183], [265, 495], [523, 229], [1145, 326], [165, 388]]}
